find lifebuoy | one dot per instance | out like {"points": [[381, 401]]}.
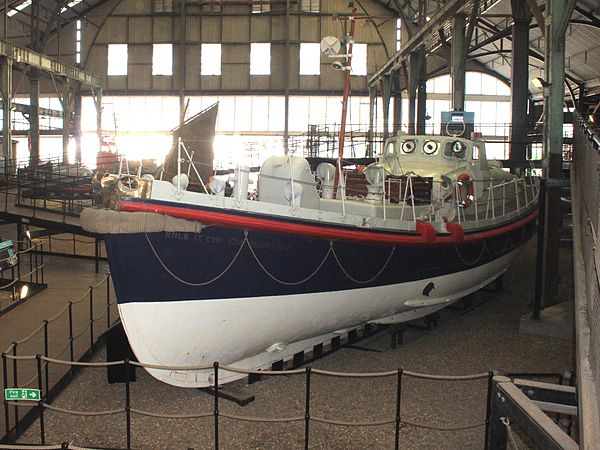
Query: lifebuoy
{"points": [[466, 190]]}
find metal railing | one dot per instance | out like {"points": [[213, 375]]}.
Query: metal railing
{"points": [[96, 309], [33, 260], [50, 186], [394, 418]]}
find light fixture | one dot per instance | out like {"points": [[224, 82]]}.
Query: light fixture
{"points": [[539, 82], [28, 234], [337, 65], [591, 118], [24, 291]]}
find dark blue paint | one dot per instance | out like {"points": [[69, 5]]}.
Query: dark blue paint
{"points": [[196, 258]]}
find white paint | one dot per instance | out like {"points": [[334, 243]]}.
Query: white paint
{"points": [[239, 332]]}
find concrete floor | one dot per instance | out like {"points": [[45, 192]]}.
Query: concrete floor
{"points": [[486, 337]]}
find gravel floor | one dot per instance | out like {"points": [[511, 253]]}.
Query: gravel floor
{"points": [[481, 339]]}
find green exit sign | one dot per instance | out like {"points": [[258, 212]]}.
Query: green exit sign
{"points": [[22, 394]]}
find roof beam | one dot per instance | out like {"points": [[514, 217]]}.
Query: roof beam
{"points": [[417, 40], [47, 64]]}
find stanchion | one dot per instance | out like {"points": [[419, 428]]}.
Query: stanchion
{"points": [[488, 408], [216, 407], [41, 400], [398, 402], [107, 301], [307, 409], [46, 353], [15, 383], [127, 403], [5, 378], [71, 349], [91, 316]]}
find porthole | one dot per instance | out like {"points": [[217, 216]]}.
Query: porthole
{"points": [[409, 146], [430, 147]]}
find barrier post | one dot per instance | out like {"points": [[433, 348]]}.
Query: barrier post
{"points": [[108, 300], [46, 352], [30, 263], [398, 402], [42, 260], [96, 255], [216, 408], [16, 384], [488, 407], [307, 409], [37, 267], [41, 400], [91, 291], [5, 378], [72, 351], [127, 403]]}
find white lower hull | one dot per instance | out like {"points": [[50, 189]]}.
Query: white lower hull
{"points": [[238, 332]]}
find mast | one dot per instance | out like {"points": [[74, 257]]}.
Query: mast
{"points": [[347, 70]]}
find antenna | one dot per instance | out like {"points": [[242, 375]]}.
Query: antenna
{"points": [[330, 46]]}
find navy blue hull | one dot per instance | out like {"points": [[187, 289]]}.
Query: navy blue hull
{"points": [[221, 263]]}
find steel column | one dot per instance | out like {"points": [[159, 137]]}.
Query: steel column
{"points": [[457, 67], [387, 92], [422, 94], [520, 80], [397, 106], [372, 106], [557, 17], [66, 104], [77, 122], [34, 117], [6, 88]]}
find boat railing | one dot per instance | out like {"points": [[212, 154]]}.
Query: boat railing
{"points": [[499, 198]]}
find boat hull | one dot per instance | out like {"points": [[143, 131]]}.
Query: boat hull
{"points": [[248, 298]]}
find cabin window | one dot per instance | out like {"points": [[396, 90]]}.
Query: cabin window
{"points": [[390, 149], [409, 146], [431, 148], [455, 149]]}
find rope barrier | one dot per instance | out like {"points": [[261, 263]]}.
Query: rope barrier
{"points": [[58, 314], [443, 428], [12, 283], [83, 413], [426, 376], [101, 282], [172, 416], [82, 298], [29, 336], [77, 336], [28, 383], [37, 447], [263, 419], [21, 358], [67, 345], [80, 363], [329, 373], [353, 424]]}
